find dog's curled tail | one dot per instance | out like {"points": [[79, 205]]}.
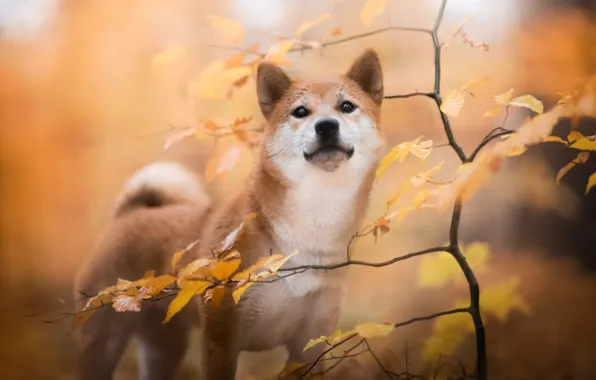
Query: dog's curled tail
{"points": [[161, 184]]}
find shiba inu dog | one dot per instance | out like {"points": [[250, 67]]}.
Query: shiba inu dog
{"points": [[309, 190]]}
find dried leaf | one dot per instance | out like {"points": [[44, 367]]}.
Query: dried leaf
{"points": [[307, 25], [231, 30], [528, 101], [278, 51], [371, 10], [129, 301], [336, 32], [423, 177], [188, 290]]}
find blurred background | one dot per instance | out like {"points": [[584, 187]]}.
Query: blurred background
{"points": [[84, 102]]}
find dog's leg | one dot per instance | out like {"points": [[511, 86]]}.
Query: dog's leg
{"points": [[163, 346], [323, 321], [101, 342], [219, 340]]}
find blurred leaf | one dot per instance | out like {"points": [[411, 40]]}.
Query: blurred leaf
{"points": [[168, 57], [528, 101], [448, 333], [425, 176], [188, 290], [503, 298], [591, 182], [503, 99], [400, 152], [437, 269], [586, 143], [178, 255], [574, 136], [492, 112], [278, 51], [555, 139], [220, 164], [234, 61], [336, 32], [231, 30], [307, 25], [373, 330], [371, 10], [453, 102], [581, 158], [229, 241]]}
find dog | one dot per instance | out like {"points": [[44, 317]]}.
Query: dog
{"points": [[309, 190]]}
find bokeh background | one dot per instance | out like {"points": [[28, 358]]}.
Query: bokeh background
{"points": [[82, 107]]}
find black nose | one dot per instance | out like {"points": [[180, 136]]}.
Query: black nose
{"points": [[327, 129]]}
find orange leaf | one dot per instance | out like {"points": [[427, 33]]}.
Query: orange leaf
{"points": [[336, 32], [307, 25]]}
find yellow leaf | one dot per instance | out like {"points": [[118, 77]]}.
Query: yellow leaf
{"points": [[192, 269], [492, 112], [222, 270], [528, 101], [421, 178], [591, 182], [474, 83], [187, 291], [231, 30], [503, 99], [581, 158], [371, 10], [239, 291], [586, 143], [453, 102], [277, 52], [156, 285], [216, 81], [307, 25], [400, 152], [420, 198], [555, 139], [313, 342], [502, 299], [438, 269], [229, 241], [573, 136], [373, 330], [178, 255], [448, 333]]}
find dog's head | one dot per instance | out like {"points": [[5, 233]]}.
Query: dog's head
{"points": [[322, 126]]}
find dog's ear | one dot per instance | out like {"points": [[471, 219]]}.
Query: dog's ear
{"points": [[272, 84], [367, 73]]}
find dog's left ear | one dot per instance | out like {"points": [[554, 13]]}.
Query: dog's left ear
{"points": [[272, 84], [366, 71]]}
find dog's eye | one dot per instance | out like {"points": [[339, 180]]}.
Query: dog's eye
{"points": [[300, 112], [347, 107]]}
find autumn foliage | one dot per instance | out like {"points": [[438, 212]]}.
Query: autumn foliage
{"points": [[439, 266]]}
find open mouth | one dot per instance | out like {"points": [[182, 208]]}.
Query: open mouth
{"points": [[328, 152]]}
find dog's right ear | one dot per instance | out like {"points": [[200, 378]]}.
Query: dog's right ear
{"points": [[272, 84]]}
